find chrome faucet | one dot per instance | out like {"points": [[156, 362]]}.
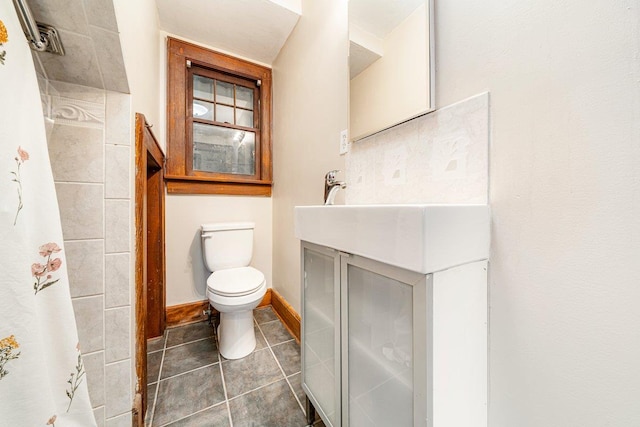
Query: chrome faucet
{"points": [[331, 186]]}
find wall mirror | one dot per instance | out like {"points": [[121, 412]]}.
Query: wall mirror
{"points": [[390, 62]]}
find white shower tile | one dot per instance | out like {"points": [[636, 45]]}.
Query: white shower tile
{"points": [[123, 420], [94, 367], [107, 45], [77, 112], [118, 388], [117, 215], [117, 327], [117, 280], [85, 265], [65, 14], [77, 154], [118, 118], [78, 93], [78, 65], [90, 322], [117, 165], [98, 413], [101, 13], [42, 76], [81, 210]]}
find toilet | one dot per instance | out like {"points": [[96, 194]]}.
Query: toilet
{"points": [[233, 288]]}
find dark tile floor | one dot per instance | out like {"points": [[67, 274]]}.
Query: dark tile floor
{"points": [[192, 385]]}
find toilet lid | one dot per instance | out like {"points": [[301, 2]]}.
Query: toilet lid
{"points": [[235, 282]]}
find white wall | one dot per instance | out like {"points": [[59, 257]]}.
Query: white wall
{"points": [[310, 91], [138, 26], [565, 196], [186, 272]]}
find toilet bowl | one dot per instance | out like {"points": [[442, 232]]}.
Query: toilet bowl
{"points": [[236, 335], [234, 288]]}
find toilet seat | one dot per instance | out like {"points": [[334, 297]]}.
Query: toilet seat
{"points": [[235, 282]]}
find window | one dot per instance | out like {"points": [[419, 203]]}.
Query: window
{"points": [[218, 123]]}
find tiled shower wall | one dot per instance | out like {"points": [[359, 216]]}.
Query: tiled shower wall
{"points": [[442, 157], [89, 146]]}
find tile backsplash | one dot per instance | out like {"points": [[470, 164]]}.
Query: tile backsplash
{"points": [[441, 157]]}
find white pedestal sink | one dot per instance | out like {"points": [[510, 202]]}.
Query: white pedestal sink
{"points": [[422, 238]]}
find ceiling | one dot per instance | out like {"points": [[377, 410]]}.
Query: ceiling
{"points": [[254, 29]]}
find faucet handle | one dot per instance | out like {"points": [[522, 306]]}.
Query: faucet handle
{"points": [[330, 177]]}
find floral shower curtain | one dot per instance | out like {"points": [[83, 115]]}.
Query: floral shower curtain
{"points": [[42, 377]]}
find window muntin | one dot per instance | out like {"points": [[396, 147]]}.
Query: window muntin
{"points": [[224, 126]]}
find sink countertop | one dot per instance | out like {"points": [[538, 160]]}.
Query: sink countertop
{"points": [[418, 237]]}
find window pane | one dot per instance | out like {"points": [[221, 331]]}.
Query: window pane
{"points": [[218, 149], [244, 97], [203, 110], [202, 87], [244, 118], [224, 93], [224, 114]]}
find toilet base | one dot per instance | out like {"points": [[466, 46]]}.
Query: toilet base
{"points": [[236, 335]]}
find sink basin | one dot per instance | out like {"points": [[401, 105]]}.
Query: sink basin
{"points": [[421, 238]]}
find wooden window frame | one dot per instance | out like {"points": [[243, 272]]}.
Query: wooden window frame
{"points": [[179, 173]]}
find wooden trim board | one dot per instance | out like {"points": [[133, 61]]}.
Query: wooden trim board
{"points": [[192, 312], [149, 225], [286, 313]]}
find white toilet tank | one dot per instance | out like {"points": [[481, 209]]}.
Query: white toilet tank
{"points": [[227, 245]]}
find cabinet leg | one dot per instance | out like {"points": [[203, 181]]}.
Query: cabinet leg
{"points": [[311, 412]]}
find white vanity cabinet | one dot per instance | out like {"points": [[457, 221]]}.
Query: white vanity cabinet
{"points": [[384, 345], [320, 330]]}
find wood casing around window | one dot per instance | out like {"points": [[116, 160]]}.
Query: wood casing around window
{"points": [[178, 174]]}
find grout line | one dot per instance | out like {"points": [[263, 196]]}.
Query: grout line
{"points": [[87, 297], [280, 366], [185, 372], [46, 77], [197, 412], [224, 383], [117, 199], [91, 353], [270, 321], [155, 351], [256, 389], [234, 360], [83, 240], [155, 398], [188, 342], [283, 342], [93, 49], [115, 306], [81, 183]]}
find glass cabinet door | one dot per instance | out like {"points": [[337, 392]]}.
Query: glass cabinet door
{"points": [[378, 336], [320, 331]]}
